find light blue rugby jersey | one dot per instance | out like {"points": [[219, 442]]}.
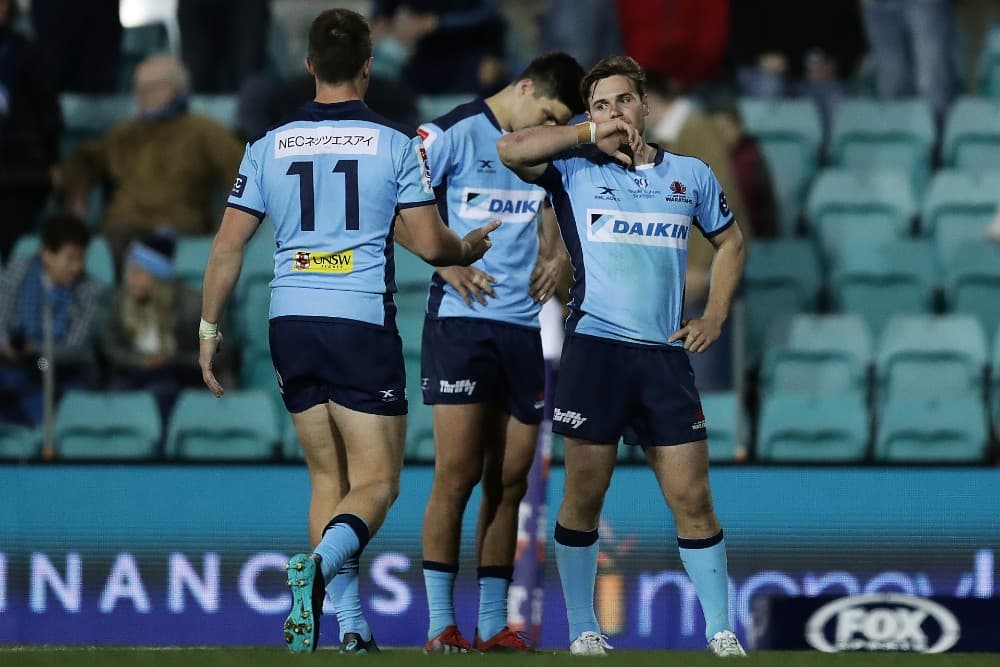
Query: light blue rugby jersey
{"points": [[627, 234], [473, 187], [331, 178]]}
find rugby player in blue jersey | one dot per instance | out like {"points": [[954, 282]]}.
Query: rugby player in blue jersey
{"points": [[336, 351], [626, 209]]}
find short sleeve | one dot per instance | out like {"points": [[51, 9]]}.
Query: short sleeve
{"points": [[552, 178], [712, 213], [247, 194], [438, 145], [414, 176]]}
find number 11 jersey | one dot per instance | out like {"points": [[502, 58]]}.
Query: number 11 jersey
{"points": [[331, 177]]}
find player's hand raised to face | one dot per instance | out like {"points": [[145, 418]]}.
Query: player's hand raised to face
{"points": [[698, 334], [478, 241], [206, 351], [470, 283], [614, 135]]}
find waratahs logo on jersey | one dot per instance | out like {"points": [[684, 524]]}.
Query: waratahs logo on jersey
{"points": [[506, 205], [667, 230]]}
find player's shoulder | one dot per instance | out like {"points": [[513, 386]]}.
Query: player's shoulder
{"points": [[354, 110], [463, 112], [691, 163]]}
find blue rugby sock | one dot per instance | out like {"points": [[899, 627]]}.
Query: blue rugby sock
{"points": [[439, 580], [576, 558], [345, 536], [346, 599], [705, 562], [494, 581]]}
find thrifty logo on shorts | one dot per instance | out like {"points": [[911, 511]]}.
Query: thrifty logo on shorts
{"points": [[457, 387], [323, 262], [574, 419]]}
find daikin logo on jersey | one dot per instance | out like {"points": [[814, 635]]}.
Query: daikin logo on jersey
{"points": [[669, 230], [511, 206]]}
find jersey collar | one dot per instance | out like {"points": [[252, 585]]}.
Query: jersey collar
{"points": [[489, 114]]}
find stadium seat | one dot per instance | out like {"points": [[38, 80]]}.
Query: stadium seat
{"points": [[972, 284], [89, 116], [111, 425], [430, 107], [781, 279], [411, 329], [822, 354], [875, 206], [220, 108], [412, 273], [243, 425], [726, 425], [796, 428], [19, 442], [972, 135], [932, 356], [420, 420], [139, 42], [257, 370], [190, 258], [251, 320], [995, 385], [989, 64], [97, 262], [925, 429], [880, 280], [790, 135], [868, 134], [258, 261], [958, 207]]}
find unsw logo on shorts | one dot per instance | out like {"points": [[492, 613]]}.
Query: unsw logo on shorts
{"points": [[323, 262]]}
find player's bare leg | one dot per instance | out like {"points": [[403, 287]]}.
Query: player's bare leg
{"points": [[505, 480], [682, 473], [588, 475], [462, 435]]}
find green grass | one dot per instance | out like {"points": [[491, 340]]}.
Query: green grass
{"points": [[267, 657]]}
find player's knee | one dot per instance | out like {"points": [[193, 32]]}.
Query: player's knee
{"points": [[455, 483], [514, 490], [693, 500]]}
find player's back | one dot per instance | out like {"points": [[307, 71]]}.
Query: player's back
{"points": [[331, 177]]}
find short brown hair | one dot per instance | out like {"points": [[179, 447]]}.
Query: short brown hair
{"points": [[613, 66], [340, 42], [63, 230]]}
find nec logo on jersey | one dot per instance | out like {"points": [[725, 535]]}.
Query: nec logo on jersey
{"points": [[668, 230], [507, 205], [326, 139], [239, 185], [323, 262]]}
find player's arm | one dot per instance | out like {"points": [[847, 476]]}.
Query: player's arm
{"points": [[727, 268], [221, 274], [528, 152], [420, 230], [553, 260]]}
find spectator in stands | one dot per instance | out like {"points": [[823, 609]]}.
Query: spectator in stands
{"points": [[30, 125], [912, 41], [750, 169], [458, 46], [46, 295], [588, 30], [167, 167], [80, 43], [146, 336], [223, 42]]}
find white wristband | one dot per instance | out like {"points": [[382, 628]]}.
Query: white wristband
{"points": [[208, 330], [593, 132]]}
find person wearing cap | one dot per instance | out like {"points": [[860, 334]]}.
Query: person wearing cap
{"points": [[146, 335]]}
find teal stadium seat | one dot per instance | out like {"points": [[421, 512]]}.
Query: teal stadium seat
{"points": [[412, 273], [139, 42], [995, 384], [959, 207], [420, 420], [220, 108], [251, 320], [821, 354], [989, 64], [190, 258], [97, 262], [19, 442], [89, 116], [781, 279], [972, 284], [790, 134], [242, 425], [107, 425], [925, 429], [726, 425], [875, 206], [880, 280], [430, 107], [820, 428], [972, 135], [932, 356], [868, 134]]}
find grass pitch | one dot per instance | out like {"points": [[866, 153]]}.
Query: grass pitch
{"points": [[268, 657]]}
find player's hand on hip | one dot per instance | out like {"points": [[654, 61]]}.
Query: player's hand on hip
{"points": [[207, 350], [698, 334], [469, 282], [615, 135], [478, 241], [545, 277]]}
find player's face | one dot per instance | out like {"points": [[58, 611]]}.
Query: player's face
{"points": [[531, 110], [64, 266], [616, 97]]}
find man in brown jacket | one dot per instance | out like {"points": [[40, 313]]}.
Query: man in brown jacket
{"points": [[164, 167]]}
